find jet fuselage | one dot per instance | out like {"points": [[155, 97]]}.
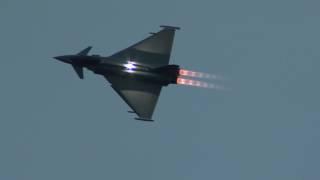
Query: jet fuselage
{"points": [[107, 66]]}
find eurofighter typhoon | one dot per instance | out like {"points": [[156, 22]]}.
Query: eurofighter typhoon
{"points": [[138, 72]]}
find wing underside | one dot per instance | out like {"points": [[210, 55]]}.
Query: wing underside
{"points": [[141, 97], [154, 51]]}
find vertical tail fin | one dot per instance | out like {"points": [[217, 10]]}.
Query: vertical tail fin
{"points": [[79, 70], [85, 51]]}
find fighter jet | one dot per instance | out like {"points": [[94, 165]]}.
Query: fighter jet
{"points": [[136, 73]]}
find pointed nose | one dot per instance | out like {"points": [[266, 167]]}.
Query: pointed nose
{"points": [[65, 59]]}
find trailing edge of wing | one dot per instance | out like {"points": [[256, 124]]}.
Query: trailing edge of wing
{"points": [[140, 96]]}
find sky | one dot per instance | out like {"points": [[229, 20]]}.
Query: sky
{"points": [[55, 126]]}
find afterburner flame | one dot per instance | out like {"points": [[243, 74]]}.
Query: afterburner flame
{"points": [[195, 83], [188, 73]]}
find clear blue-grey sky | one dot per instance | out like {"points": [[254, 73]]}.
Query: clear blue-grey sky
{"points": [[56, 126]]}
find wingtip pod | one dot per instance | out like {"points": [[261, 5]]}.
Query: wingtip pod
{"points": [[144, 119], [170, 27]]}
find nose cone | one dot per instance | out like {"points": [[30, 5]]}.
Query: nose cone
{"points": [[65, 59]]}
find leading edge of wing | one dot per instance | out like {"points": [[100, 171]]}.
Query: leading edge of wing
{"points": [[154, 50]]}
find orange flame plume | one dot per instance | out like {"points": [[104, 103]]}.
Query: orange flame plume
{"points": [[195, 83], [188, 73]]}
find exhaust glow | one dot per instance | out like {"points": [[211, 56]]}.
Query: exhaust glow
{"points": [[188, 73], [195, 83], [130, 66]]}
